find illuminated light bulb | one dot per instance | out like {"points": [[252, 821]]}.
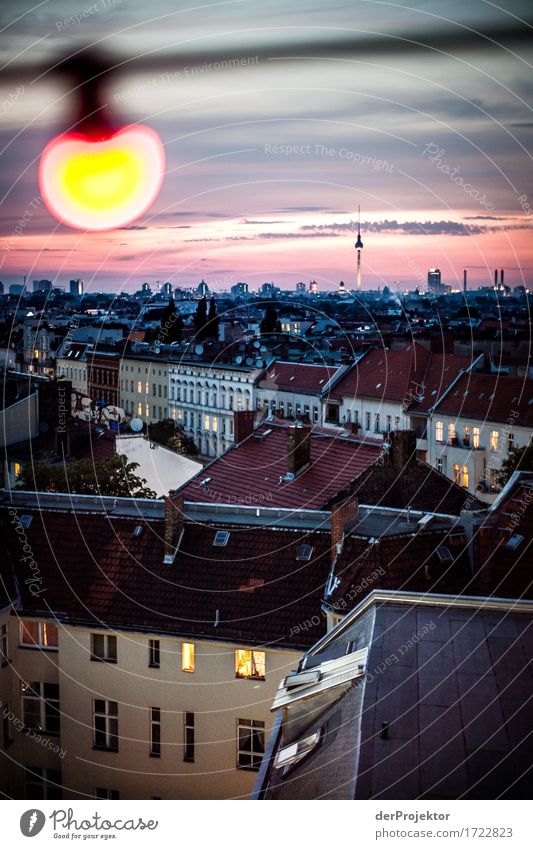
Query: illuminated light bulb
{"points": [[92, 183]]}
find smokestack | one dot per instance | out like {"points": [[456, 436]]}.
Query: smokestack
{"points": [[464, 280], [298, 447], [501, 276], [174, 521], [496, 277], [243, 425], [343, 516]]}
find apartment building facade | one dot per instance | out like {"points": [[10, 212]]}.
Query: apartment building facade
{"points": [[295, 390], [203, 397], [143, 387]]}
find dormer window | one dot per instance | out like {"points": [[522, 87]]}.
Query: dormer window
{"points": [[221, 538]]}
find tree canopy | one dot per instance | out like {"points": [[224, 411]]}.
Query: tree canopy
{"points": [[114, 476]]}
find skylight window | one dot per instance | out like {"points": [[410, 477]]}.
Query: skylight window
{"points": [[221, 538], [514, 541], [138, 530], [25, 521], [304, 552], [444, 554], [290, 755]]}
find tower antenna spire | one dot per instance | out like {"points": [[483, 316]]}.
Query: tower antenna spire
{"points": [[358, 248]]}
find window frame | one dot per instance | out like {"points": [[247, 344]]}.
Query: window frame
{"points": [[48, 707], [43, 636], [154, 654], [254, 675], [110, 716], [188, 650], [43, 778], [155, 732], [4, 645], [256, 729], [188, 737], [106, 657]]}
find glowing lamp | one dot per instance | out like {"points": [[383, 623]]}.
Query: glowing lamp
{"points": [[100, 183]]}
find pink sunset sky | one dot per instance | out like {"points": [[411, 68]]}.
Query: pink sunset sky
{"points": [[266, 164]]}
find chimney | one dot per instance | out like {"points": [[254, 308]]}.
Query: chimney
{"points": [[298, 447], [243, 425], [501, 276], [344, 515], [174, 521], [465, 283], [402, 450], [496, 278], [352, 427]]}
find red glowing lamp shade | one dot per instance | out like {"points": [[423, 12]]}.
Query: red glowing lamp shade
{"points": [[102, 184]]}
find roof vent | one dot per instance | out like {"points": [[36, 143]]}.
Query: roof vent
{"points": [[205, 481], [221, 538]]}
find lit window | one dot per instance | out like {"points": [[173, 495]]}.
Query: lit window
{"points": [[464, 476], [187, 657], [104, 647], [439, 431], [466, 437], [250, 743], [139, 388], [475, 437], [139, 409], [456, 472], [188, 737], [206, 422], [494, 439], [105, 725], [147, 411], [451, 433], [215, 424], [155, 732], [250, 664], [38, 634], [40, 706], [17, 469]]}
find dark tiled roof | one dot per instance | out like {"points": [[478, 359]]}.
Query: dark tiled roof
{"points": [[296, 377], [490, 397], [250, 473], [386, 375], [442, 370], [95, 571]]}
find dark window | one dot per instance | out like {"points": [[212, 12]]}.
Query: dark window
{"points": [[154, 653], [250, 743], [40, 706], [106, 793], [106, 725], [42, 783], [155, 732], [188, 736], [104, 647]]}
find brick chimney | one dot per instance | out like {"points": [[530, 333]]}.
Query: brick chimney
{"points": [[344, 515], [352, 427], [174, 521], [402, 451], [243, 424], [298, 447]]}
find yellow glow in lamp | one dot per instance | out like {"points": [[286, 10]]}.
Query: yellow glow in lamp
{"points": [[101, 182]]}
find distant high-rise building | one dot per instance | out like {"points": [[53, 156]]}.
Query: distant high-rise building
{"points": [[358, 248], [42, 285], [342, 288], [300, 288], [1, 288], [313, 287], [146, 289], [16, 289], [268, 290], [76, 287], [239, 289], [434, 281]]}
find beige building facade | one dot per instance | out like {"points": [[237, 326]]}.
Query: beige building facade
{"points": [[143, 387]]}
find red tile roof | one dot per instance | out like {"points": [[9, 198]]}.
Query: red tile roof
{"points": [[385, 375], [296, 377], [441, 371], [250, 472], [490, 397]]}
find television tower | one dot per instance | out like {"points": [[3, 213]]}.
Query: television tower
{"points": [[358, 247]]}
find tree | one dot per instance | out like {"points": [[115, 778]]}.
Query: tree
{"points": [[213, 320], [200, 319], [115, 476], [171, 329], [518, 459], [172, 436], [270, 323]]}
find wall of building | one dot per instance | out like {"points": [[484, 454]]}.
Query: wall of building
{"points": [[143, 388]]}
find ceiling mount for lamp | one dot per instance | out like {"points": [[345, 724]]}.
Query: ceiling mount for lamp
{"points": [[99, 175]]}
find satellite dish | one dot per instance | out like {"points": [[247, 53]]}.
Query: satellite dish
{"points": [[136, 425], [256, 344], [249, 361], [238, 360], [199, 349], [263, 349], [259, 363], [158, 350]]}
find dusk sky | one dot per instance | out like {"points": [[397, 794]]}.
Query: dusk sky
{"points": [[266, 164]]}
